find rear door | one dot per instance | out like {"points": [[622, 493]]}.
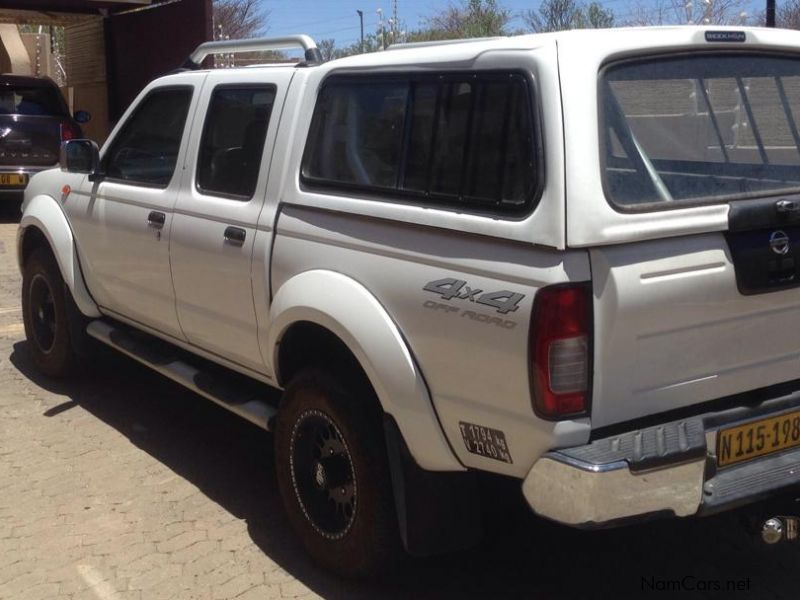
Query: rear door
{"points": [[710, 141], [222, 195]]}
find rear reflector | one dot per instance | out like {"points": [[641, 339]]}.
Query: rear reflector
{"points": [[68, 132], [560, 342]]}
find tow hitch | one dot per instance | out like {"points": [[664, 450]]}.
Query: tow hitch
{"points": [[783, 528]]}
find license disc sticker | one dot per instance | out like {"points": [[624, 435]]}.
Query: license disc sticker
{"points": [[485, 441]]}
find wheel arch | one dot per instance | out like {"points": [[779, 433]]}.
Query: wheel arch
{"points": [[43, 223], [347, 316]]}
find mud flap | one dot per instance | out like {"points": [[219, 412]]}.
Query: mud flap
{"points": [[77, 322], [437, 512]]}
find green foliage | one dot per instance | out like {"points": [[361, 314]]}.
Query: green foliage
{"points": [[598, 17], [470, 19], [558, 15]]}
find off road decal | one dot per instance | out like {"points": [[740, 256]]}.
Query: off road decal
{"points": [[485, 441], [449, 288]]}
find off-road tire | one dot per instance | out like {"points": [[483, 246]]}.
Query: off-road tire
{"points": [[342, 419], [45, 315]]}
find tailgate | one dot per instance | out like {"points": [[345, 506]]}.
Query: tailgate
{"points": [[674, 327], [29, 140], [696, 314]]}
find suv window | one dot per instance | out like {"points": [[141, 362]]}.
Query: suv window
{"points": [[31, 100], [701, 128], [233, 140], [464, 140], [146, 150]]}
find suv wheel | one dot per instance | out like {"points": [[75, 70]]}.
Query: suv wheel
{"points": [[333, 475], [44, 315]]}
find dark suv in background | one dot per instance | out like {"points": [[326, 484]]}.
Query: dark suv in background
{"points": [[34, 120]]}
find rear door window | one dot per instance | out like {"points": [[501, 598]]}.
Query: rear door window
{"points": [[466, 141], [703, 128], [233, 140]]}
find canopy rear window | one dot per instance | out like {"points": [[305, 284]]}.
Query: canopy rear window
{"points": [[700, 128]]}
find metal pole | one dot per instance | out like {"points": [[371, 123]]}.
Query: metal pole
{"points": [[770, 13], [361, 18], [383, 31]]}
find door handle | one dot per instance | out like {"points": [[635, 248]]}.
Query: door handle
{"points": [[156, 219], [235, 235]]}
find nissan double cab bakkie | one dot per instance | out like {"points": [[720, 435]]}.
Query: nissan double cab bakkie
{"points": [[571, 259]]}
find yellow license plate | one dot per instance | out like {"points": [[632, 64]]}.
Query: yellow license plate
{"points": [[758, 438], [10, 179]]}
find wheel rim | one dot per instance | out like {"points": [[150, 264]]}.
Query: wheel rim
{"points": [[43, 313], [323, 475]]}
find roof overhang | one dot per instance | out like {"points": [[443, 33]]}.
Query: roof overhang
{"points": [[73, 6]]}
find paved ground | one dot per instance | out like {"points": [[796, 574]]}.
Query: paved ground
{"points": [[122, 485]]}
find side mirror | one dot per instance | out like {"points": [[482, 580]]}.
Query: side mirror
{"points": [[79, 156], [82, 116]]}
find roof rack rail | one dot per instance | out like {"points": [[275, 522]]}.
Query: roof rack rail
{"points": [[308, 45], [409, 45]]}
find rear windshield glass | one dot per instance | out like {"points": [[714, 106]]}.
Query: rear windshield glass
{"points": [[703, 128], [17, 100]]}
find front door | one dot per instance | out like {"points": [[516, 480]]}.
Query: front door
{"points": [[122, 220], [215, 219]]}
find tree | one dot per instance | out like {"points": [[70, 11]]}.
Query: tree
{"points": [[239, 19], [470, 19], [598, 17], [327, 48], [689, 12], [558, 15], [788, 15]]}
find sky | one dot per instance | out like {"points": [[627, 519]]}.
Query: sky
{"points": [[337, 19]]}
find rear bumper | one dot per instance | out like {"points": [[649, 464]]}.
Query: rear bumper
{"points": [[17, 191], [665, 469]]}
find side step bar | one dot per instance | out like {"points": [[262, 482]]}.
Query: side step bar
{"points": [[245, 400]]}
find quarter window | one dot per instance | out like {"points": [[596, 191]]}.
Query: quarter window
{"points": [[146, 150], [458, 140], [233, 140]]}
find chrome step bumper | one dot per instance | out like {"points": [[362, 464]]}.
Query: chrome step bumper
{"points": [[667, 469]]}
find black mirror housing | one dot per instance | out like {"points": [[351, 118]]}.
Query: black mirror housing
{"points": [[79, 156]]}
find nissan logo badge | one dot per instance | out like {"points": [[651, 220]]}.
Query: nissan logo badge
{"points": [[779, 242]]}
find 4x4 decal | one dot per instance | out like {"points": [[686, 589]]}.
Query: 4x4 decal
{"points": [[449, 288]]}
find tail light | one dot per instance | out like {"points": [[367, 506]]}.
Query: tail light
{"points": [[69, 132], [560, 350]]}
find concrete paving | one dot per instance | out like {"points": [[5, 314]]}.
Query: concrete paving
{"points": [[122, 485]]}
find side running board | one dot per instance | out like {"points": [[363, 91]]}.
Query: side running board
{"points": [[236, 393]]}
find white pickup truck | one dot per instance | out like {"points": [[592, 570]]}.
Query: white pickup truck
{"points": [[572, 259]]}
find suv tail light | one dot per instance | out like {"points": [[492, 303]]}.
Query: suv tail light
{"points": [[68, 132], [560, 350]]}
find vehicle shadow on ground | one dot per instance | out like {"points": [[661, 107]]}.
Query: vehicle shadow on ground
{"points": [[230, 461], [10, 211]]}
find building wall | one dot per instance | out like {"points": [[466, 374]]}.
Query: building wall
{"points": [[147, 43], [13, 55], [87, 82], [38, 47]]}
